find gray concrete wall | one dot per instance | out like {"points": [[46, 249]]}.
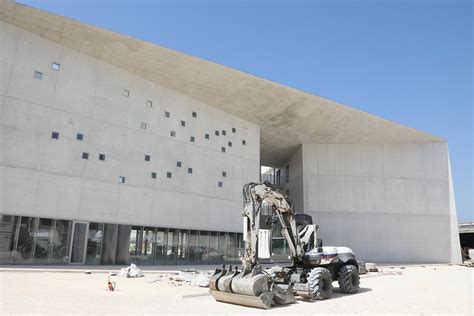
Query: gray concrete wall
{"points": [[41, 176], [388, 202]]}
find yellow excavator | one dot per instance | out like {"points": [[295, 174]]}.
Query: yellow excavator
{"points": [[272, 230]]}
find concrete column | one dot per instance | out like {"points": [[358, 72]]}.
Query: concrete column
{"points": [[123, 243], [109, 244]]}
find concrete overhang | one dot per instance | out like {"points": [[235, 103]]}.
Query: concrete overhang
{"points": [[287, 117]]}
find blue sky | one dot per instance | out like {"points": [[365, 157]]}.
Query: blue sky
{"points": [[407, 61]]}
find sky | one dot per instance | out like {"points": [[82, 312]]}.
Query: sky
{"points": [[407, 61]]}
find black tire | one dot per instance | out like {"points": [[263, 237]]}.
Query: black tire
{"points": [[348, 279], [320, 283]]}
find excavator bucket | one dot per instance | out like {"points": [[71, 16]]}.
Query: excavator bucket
{"points": [[248, 288]]}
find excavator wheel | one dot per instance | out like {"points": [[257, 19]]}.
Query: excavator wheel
{"points": [[348, 279], [319, 283]]}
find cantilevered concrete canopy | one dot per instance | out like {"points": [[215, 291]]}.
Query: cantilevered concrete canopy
{"points": [[287, 117]]}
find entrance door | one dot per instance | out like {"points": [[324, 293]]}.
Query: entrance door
{"points": [[78, 246]]}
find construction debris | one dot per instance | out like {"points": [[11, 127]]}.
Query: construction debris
{"points": [[132, 271], [371, 267]]}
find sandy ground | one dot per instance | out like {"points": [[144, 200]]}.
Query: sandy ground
{"points": [[413, 290]]}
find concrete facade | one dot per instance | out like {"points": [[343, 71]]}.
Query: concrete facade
{"points": [[42, 175], [179, 136], [378, 198]]}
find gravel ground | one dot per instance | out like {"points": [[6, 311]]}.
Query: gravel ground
{"points": [[413, 290]]}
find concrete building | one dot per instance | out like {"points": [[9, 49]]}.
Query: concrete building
{"points": [[116, 150]]}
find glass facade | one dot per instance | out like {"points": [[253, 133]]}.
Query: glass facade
{"points": [[32, 240]]}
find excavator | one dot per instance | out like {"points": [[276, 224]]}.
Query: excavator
{"points": [[271, 231]]}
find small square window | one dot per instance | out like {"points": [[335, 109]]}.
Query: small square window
{"points": [[173, 134], [183, 123], [147, 157], [80, 136], [167, 114], [234, 130], [38, 75], [85, 155], [224, 132], [244, 142], [195, 114], [192, 139], [102, 157], [149, 104], [229, 143], [143, 125], [190, 170], [220, 184], [223, 149], [121, 179], [125, 93], [224, 174], [169, 175], [55, 66], [217, 133], [178, 164], [206, 136], [55, 135], [153, 175]]}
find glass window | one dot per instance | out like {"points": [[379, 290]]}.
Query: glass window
{"points": [[80, 136], [148, 241], [44, 235], [234, 130], [55, 66], [217, 133], [134, 245], [224, 245], [169, 175], [195, 114], [121, 179], [61, 241], [193, 247], [223, 149], [178, 164], [183, 123], [143, 125], [8, 227], [173, 134], [190, 170], [167, 114], [125, 93], [214, 248], [206, 136], [85, 155], [224, 132], [172, 246], [287, 173], [224, 174], [192, 139], [147, 157], [38, 75], [55, 135], [25, 244], [153, 175], [102, 157], [149, 104], [220, 184], [232, 255], [229, 144], [203, 248], [160, 246], [244, 142], [183, 246], [94, 243]]}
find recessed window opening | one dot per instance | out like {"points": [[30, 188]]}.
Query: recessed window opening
{"points": [[85, 155], [195, 114], [244, 142], [55, 135], [38, 75], [173, 134], [206, 136], [217, 133], [125, 93], [55, 66], [121, 179], [169, 175], [230, 144], [147, 157], [102, 157], [224, 132], [178, 164], [153, 175], [234, 130], [80, 136], [183, 123], [167, 114], [192, 139], [223, 149], [220, 184], [149, 104], [190, 170], [143, 125], [224, 174]]}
